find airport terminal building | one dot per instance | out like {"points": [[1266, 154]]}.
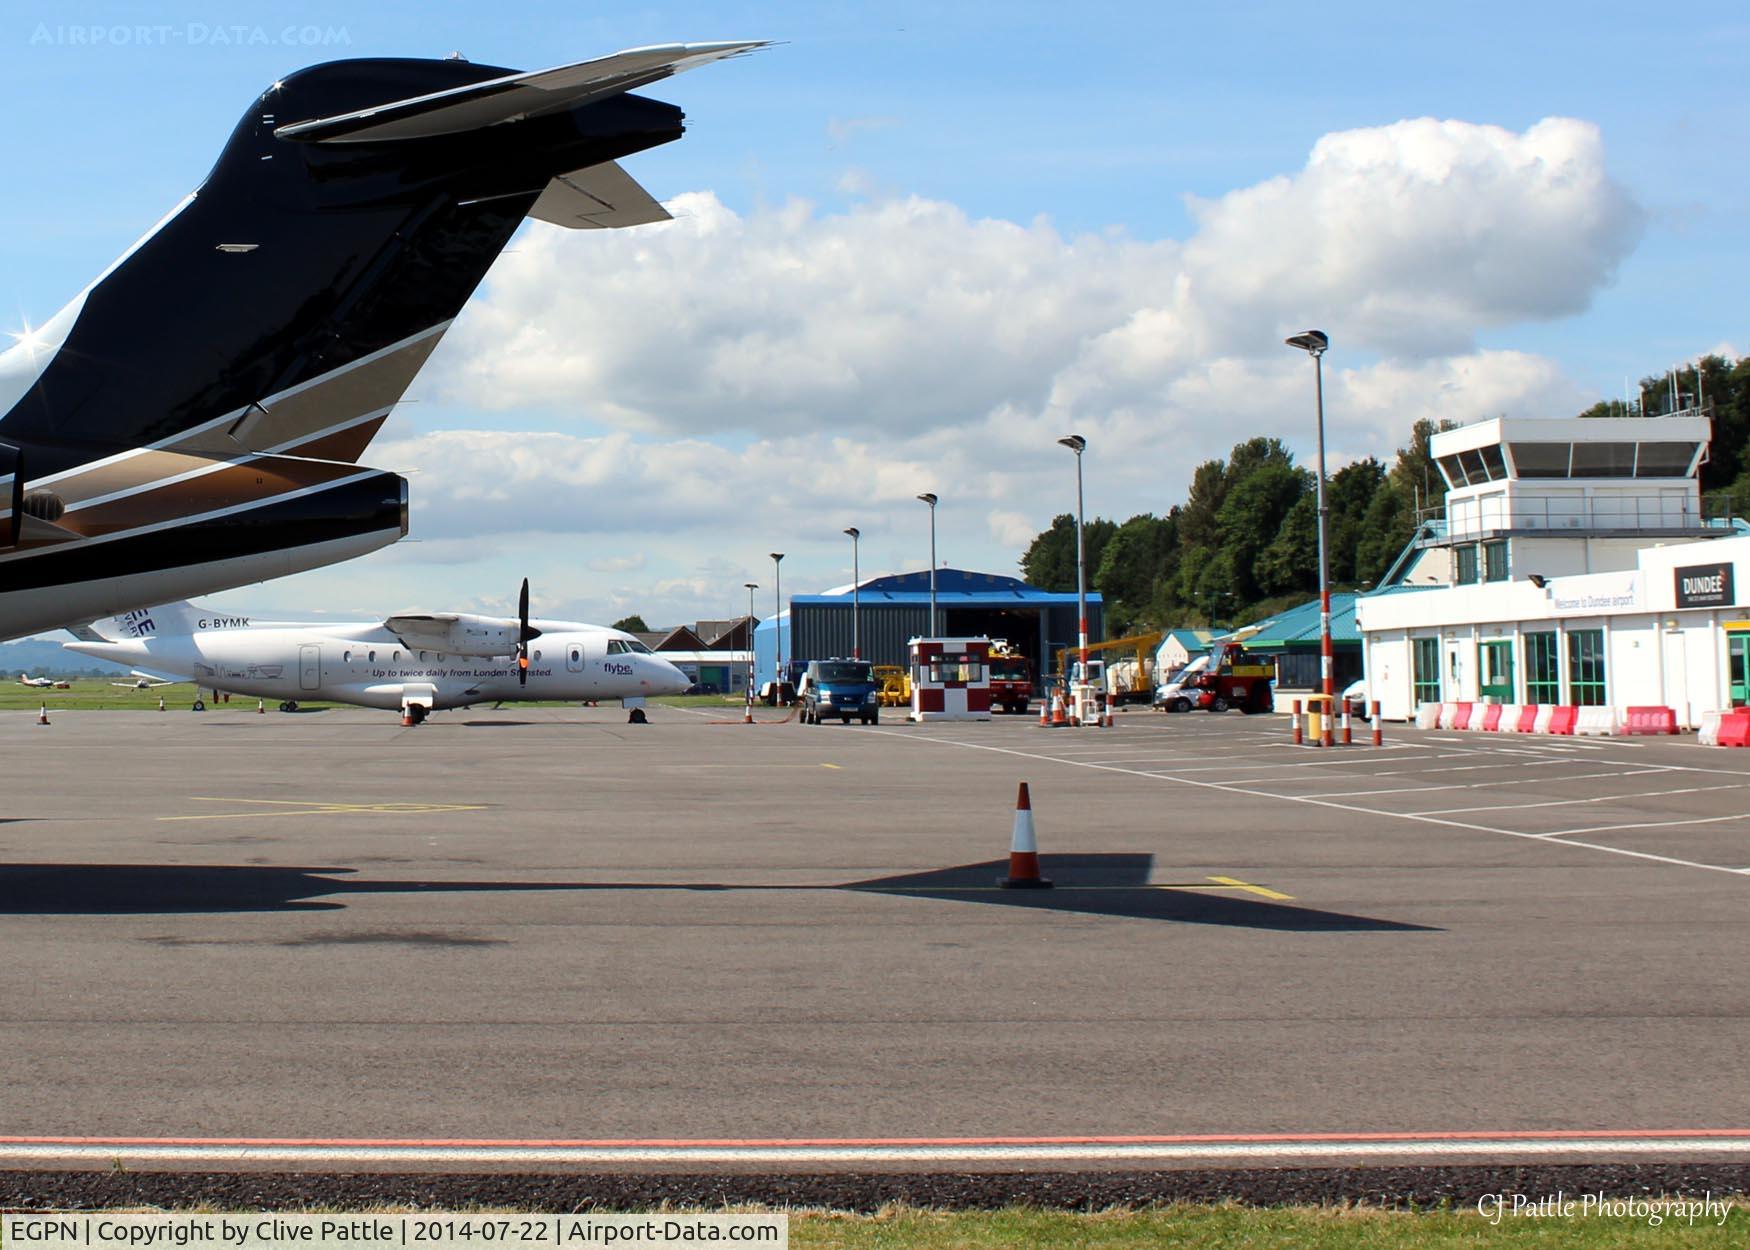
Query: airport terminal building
{"points": [[893, 610], [1576, 566]]}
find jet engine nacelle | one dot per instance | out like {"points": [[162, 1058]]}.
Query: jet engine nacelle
{"points": [[457, 633]]}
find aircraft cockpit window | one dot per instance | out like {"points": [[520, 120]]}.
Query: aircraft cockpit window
{"points": [[616, 646], [636, 647]]}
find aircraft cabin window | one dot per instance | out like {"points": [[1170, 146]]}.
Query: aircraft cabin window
{"points": [[346, 657], [537, 655], [422, 657], [396, 657], [373, 657]]}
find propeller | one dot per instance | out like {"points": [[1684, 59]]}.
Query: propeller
{"points": [[525, 635]]}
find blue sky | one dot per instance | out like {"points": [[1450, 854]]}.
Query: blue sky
{"points": [[1099, 128]]}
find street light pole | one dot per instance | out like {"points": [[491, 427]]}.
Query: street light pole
{"points": [[1314, 343], [751, 587], [930, 499], [856, 636], [1078, 444], [778, 624]]}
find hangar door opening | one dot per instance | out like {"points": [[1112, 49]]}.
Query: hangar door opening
{"points": [[1020, 626]]}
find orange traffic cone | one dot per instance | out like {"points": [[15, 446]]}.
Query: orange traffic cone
{"points": [[1023, 850], [747, 715], [1045, 713], [407, 717], [42, 717], [261, 707], [1057, 716], [160, 703]]}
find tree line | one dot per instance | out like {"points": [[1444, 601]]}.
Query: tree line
{"points": [[1244, 543]]}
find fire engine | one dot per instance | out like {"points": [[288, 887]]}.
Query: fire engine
{"points": [[1011, 677]]}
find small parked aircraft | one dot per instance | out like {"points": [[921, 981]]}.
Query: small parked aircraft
{"points": [[144, 681], [416, 662], [42, 683]]}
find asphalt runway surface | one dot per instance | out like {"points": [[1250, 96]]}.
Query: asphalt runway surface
{"points": [[521, 938]]}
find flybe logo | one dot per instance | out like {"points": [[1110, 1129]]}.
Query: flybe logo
{"points": [[222, 622], [137, 624]]}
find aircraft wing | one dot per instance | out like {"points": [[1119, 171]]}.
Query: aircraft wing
{"points": [[512, 97], [600, 197]]}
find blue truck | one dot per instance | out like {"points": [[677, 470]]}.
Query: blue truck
{"points": [[841, 688]]}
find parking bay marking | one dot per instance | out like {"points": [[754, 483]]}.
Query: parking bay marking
{"points": [[307, 807], [1317, 802]]}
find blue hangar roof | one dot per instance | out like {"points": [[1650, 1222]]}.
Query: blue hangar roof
{"points": [[956, 585]]}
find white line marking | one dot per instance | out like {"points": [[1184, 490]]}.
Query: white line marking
{"points": [[1649, 824], [1257, 1151], [1602, 798]]}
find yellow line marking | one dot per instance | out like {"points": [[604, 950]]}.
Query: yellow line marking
{"points": [[308, 808], [1221, 883], [1234, 883], [834, 767]]}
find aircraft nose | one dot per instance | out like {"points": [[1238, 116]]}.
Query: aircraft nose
{"points": [[672, 680]]}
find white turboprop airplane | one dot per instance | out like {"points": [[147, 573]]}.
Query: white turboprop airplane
{"points": [[416, 662]]}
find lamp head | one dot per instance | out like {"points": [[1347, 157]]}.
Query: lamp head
{"points": [[1314, 341], [751, 585], [776, 556], [1075, 442], [929, 498], [854, 532], [1538, 580]]}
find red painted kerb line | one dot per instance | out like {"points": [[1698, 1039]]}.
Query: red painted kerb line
{"points": [[1182, 1139]]}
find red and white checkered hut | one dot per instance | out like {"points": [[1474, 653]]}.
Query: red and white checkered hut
{"points": [[950, 679]]}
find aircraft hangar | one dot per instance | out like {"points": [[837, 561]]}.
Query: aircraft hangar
{"points": [[893, 610]]}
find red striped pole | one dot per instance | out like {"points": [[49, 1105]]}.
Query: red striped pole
{"points": [[1298, 741], [1378, 736], [1347, 741]]}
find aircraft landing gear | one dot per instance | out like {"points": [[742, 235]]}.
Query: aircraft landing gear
{"points": [[289, 705], [197, 706]]}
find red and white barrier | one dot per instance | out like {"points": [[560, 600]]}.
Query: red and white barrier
{"points": [[1428, 715], [1561, 720], [1649, 720], [1708, 734], [1734, 729], [1597, 722], [1540, 723], [1486, 717], [1511, 715]]}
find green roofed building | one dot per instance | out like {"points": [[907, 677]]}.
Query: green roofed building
{"points": [[1291, 640]]}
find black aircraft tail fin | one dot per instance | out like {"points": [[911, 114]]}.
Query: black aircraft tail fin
{"points": [[287, 305]]}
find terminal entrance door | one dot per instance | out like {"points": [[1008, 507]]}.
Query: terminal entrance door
{"points": [[1495, 670], [1738, 667]]}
